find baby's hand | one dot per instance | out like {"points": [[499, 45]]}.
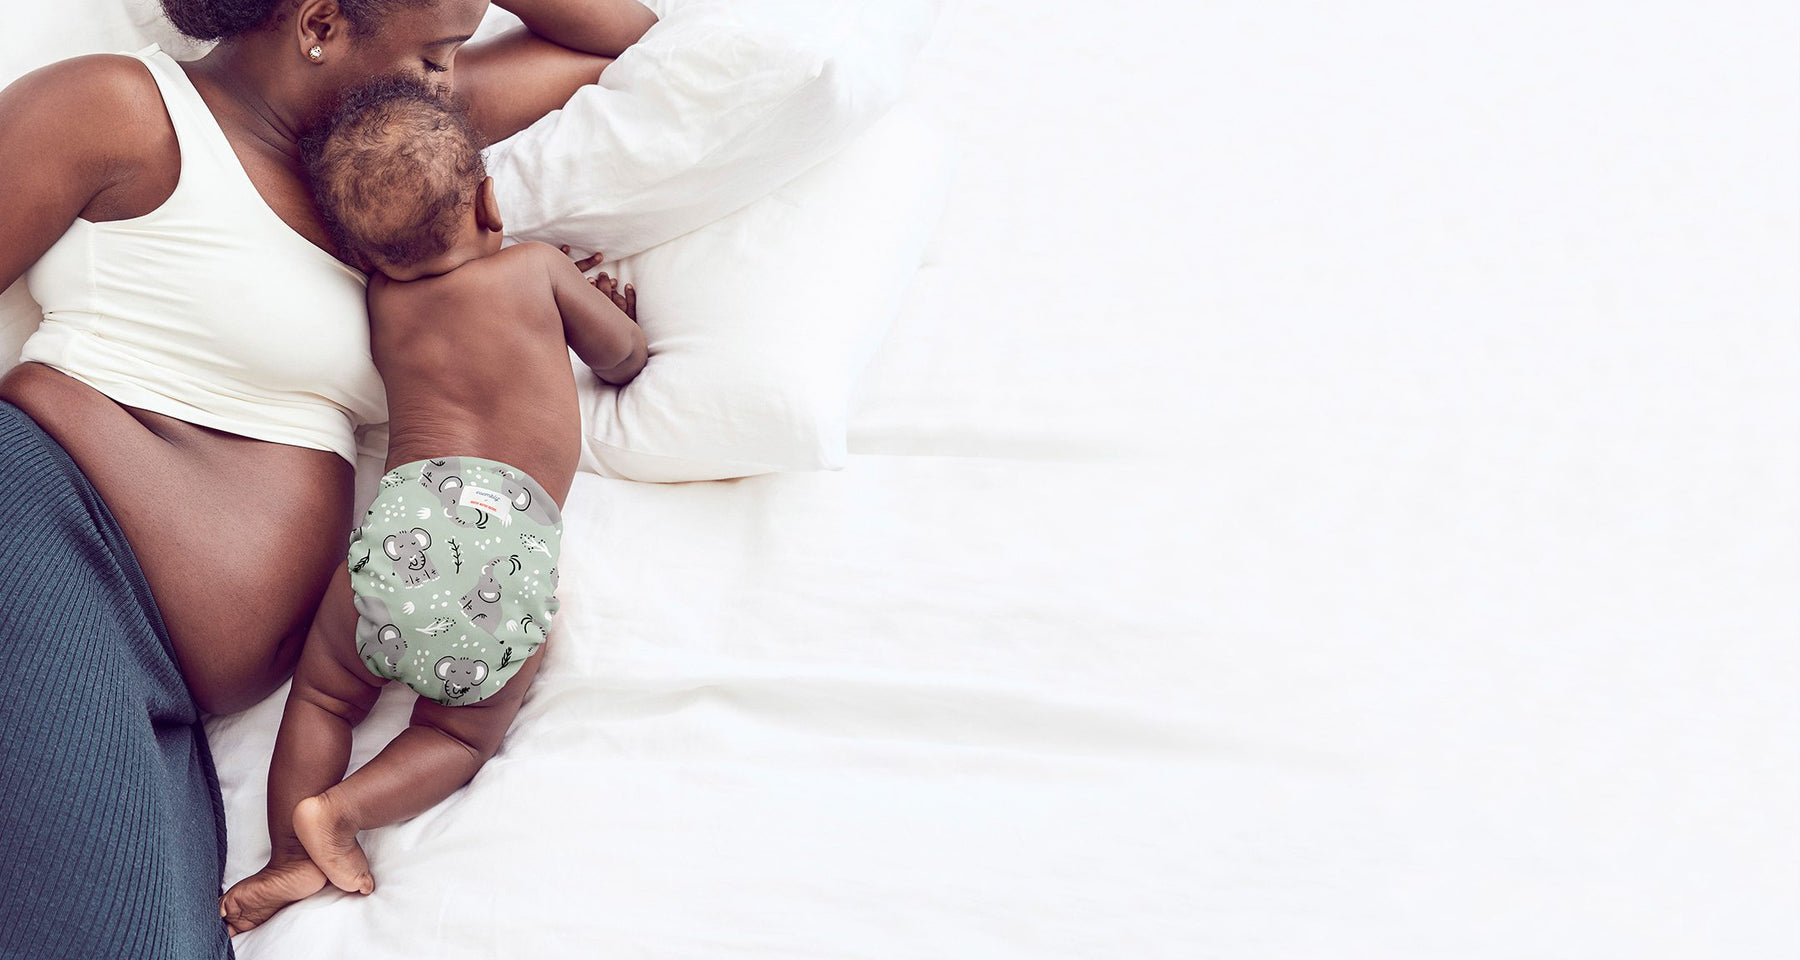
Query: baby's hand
{"points": [[625, 298], [584, 264]]}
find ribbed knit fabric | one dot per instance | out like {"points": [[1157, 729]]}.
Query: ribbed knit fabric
{"points": [[112, 833]]}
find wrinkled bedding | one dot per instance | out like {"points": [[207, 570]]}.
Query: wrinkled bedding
{"points": [[1330, 493]]}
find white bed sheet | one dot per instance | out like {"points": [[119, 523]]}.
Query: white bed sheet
{"points": [[1331, 494]]}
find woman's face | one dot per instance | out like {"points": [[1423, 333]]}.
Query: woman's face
{"points": [[418, 41]]}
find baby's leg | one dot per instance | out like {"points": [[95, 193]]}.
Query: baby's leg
{"points": [[332, 692], [439, 752]]}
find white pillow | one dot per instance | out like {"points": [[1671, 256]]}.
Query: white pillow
{"points": [[761, 324], [37, 34], [720, 103]]}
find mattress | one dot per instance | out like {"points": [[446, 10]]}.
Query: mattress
{"points": [[1330, 493]]}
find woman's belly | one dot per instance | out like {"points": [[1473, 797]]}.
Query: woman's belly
{"points": [[237, 537]]}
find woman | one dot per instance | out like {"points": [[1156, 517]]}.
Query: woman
{"points": [[178, 442]]}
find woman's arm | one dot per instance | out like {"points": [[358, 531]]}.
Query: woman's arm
{"points": [[519, 76], [604, 27], [78, 138]]}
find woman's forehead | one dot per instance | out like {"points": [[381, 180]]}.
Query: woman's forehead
{"points": [[420, 24]]}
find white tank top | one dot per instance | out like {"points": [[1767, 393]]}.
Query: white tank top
{"points": [[210, 308]]}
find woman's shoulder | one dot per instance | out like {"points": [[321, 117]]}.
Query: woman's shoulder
{"points": [[91, 128], [102, 104], [103, 84]]}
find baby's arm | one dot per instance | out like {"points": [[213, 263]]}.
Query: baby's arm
{"points": [[605, 339]]}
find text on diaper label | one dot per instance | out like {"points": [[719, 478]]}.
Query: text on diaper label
{"points": [[484, 499]]}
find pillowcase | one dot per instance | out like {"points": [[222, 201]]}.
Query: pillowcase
{"points": [[41, 33], [761, 323], [721, 102]]}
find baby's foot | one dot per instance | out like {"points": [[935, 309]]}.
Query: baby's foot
{"points": [[255, 898], [330, 839]]}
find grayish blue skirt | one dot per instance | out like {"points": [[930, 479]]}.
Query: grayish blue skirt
{"points": [[112, 833]]}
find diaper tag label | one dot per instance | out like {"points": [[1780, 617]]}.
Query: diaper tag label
{"points": [[483, 499]]}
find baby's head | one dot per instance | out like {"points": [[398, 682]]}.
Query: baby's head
{"points": [[398, 177]]}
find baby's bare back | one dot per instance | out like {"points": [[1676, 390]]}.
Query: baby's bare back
{"points": [[476, 364]]}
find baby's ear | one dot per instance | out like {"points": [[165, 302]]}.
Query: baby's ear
{"points": [[487, 207]]}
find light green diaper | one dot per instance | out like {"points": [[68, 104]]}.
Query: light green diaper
{"points": [[454, 571]]}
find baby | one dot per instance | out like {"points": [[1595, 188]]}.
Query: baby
{"points": [[451, 580]]}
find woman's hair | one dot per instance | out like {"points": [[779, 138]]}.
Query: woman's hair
{"points": [[394, 170], [218, 19]]}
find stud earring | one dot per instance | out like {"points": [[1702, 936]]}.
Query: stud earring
{"points": [[317, 52]]}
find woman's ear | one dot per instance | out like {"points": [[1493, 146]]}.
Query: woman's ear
{"points": [[319, 30], [487, 208]]}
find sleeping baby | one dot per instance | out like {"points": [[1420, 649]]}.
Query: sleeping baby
{"points": [[450, 585]]}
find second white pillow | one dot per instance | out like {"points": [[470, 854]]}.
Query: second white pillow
{"points": [[761, 324], [719, 104]]}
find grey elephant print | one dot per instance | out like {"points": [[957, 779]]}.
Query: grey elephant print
{"points": [[385, 645], [536, 505], [460, 675], [444, 479], [482, 603], [407, 550], [434, 471]]}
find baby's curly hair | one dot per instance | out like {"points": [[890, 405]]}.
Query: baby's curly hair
{"points": [[394, 170]]}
